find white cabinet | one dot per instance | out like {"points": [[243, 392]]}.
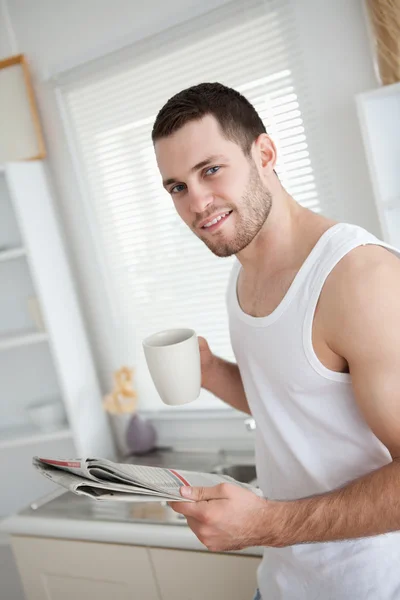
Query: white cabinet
{"points": [[10, 581], [379, 114], [44, 350], [183, 575], [63, 569], [68, 570]]}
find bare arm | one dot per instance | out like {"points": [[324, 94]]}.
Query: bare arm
{"points": [[222, 378], [362, 304], [226, 383]]}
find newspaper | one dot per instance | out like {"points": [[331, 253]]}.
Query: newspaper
{"points": [[102, 479]]}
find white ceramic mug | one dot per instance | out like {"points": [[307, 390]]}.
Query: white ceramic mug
{"points": [[173, 359]]}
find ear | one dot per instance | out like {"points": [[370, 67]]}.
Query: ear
{"points": [[266, 153]]}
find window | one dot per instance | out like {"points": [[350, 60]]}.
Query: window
{"points": [[160, 274]]}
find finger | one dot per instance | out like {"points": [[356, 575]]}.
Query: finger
{"points": [[202, 341], [177, 506], [215, 492], [189, 509]]}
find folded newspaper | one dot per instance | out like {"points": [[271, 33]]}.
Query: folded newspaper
{"points": [[102, 479]]}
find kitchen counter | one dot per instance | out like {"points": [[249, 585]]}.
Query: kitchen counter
{"points": [[141, 524]]}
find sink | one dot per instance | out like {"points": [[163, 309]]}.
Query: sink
{"points": [[242, 473], [236, 465]]}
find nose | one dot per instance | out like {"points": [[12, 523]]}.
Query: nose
{"points": [[199, 198]]}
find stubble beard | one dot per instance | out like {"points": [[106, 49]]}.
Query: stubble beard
{"points": [[256, 202]]}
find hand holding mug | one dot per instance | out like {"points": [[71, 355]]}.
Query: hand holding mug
{"points": [[173, 359]]}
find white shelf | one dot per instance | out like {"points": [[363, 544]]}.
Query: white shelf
{"points": [[11, 254], [22, 339], [24, 435]]}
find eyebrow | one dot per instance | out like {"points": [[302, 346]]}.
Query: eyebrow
{"points": [[197, 167]]}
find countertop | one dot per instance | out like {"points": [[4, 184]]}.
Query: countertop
{"points": [[143, 524]]}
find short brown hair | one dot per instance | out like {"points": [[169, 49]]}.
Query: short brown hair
{"points": [[237, 118]]}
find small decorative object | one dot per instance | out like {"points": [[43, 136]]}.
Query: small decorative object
{"points": [[133, 434], [140, 435], [123, 398], [21, 133]]}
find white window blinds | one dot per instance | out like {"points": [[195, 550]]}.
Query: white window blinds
{"points": [[160, 274]]}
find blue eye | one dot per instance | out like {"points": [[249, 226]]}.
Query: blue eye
{"points": [[177, 188], [213, 170]]}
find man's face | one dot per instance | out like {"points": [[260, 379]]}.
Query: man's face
{"points": [[216, 189]]}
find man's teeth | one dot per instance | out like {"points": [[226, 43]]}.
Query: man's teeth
{"points": [[216, 220]]}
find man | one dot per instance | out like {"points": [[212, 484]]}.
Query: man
{"points": [[315, 328]]}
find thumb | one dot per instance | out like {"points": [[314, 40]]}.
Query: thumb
{"points": [[203, 344], [204, 493]]}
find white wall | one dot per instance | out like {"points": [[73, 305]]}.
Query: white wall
{"points": [[8, 43], [56, 35], [337, 56]]}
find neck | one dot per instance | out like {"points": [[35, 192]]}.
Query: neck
{"points": [[286, 238]]}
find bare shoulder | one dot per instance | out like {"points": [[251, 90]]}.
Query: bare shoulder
{"points": [[363, 267], [363, 288]]}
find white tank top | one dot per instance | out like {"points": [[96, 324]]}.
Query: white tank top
{"points": [[310, 436]]}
